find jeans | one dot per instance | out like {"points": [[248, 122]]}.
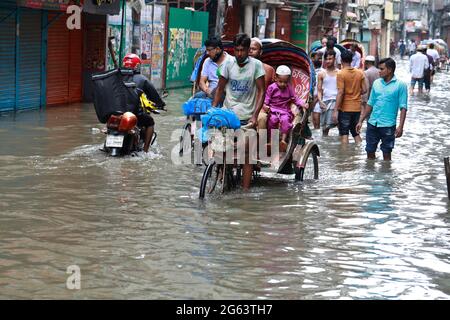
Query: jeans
{"points": [[375, 134]]}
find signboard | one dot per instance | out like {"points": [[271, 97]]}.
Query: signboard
{"points": [[410, 26], [60, 5], [90, 6], [374, 20], [299, 28], [389, 11]]}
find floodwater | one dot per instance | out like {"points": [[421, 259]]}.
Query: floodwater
{"points": [[136, 229]]}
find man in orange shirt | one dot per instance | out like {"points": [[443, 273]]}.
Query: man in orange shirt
{"points": [[351, 86]]}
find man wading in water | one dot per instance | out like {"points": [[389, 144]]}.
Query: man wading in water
{"points": [[243, 80], [388, 96]]}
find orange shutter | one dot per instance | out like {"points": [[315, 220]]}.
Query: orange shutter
{"points": [[64, 63], [76, 66]]}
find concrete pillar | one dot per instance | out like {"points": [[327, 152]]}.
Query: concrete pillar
{"points": [[248, 19], [343, 21], [374, 43], [220, 19], [388, 39]]}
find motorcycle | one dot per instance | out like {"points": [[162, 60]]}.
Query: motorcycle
{"points": [[123, 135], [117, 100]]}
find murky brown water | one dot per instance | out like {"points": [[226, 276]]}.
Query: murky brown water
{"points": [[134, 226]]}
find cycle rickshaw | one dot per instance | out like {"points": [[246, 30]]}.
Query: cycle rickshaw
{"points": [[301, 158]]}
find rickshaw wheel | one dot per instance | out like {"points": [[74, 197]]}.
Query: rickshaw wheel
{"points": [[311, 168], [185, 139], [209, 180]]}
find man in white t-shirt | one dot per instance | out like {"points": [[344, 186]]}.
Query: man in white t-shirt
{"points": [[431, 51], [356, 60], [243, 80], [418, 63]]}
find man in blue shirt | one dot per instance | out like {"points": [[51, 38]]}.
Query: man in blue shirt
{"points": [[388, 95], [209, 78]]}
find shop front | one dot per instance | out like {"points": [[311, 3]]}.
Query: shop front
{"points": [[42, 60]]}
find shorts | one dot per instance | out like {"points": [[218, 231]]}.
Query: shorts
{"points": [[326, 117], [420, 81], [375, 134], [347, 121], [145, 120]]}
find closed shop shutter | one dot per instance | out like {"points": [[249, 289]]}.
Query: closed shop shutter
{"points": [[283, 25], [64, 62], [29, 79], [57, 61], [76, 66], [94, 51], [7, 59]]}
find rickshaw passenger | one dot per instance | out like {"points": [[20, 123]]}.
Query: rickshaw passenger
{"points": [[256, 52], [243, 80], [278, 100], [216, 57]]}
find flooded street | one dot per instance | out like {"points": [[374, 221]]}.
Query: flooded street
{"points": [[136, 229]]}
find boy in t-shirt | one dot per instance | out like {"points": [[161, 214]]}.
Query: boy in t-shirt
{"points": [[351, 86]]}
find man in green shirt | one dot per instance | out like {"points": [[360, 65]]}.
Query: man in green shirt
{"points": [[243, 80]]}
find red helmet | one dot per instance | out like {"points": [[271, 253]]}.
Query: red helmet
{"points": [[132, 61]]}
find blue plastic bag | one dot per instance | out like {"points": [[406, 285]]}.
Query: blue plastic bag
{"points": [[218, 118], [196, 106]]}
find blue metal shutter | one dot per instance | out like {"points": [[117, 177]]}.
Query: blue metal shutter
{"points": [[7, 58], [29, 73]]}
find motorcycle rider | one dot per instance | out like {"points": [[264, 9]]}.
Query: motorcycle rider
{"points": [[132, 61]]}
